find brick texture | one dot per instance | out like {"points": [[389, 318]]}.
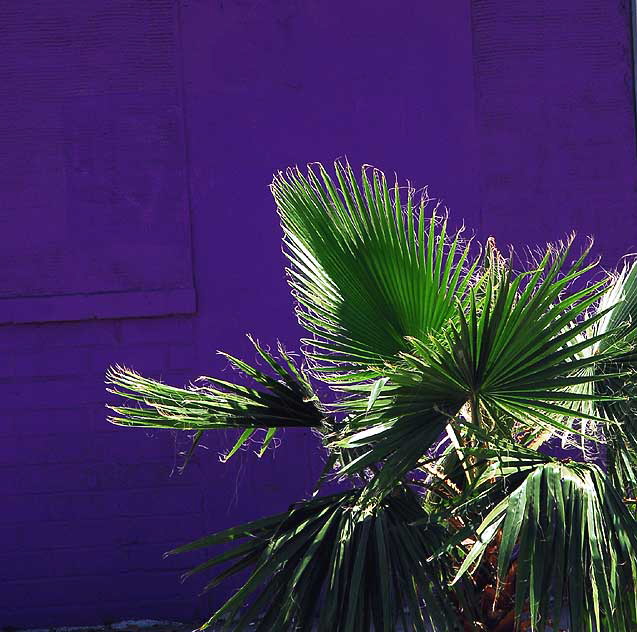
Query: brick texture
{"points": [[519, 114], [556, 120], [88, 508]]}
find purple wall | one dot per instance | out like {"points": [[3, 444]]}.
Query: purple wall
{"points": [[521, 118], [87, 508], [554, 102]]}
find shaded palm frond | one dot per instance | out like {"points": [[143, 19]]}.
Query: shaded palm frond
{"points": [[327, 565], [284, 402], [367, 267], [574, 544], [620, 305]]}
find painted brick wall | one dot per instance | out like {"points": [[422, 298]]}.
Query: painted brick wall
{"points": [[87, 509], [520, 114], [555, 112], [93, 166]]}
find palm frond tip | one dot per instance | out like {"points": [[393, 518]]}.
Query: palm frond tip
{"points": [[214, 403]]}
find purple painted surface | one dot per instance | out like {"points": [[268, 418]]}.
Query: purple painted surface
{"points": [[554, 99], [93, 167], [520, 117]]}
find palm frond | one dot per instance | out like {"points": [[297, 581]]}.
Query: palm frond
{"points": [[620, 305], [368, 268], [516, 351], [574, 544], [284, 402], [327, 565], [512, 362]]}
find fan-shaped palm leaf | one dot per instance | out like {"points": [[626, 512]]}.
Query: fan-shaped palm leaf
{"points": [[576, 546], [621, 429], [327, 565], [284, 402], [512, 362], [367, 268]]}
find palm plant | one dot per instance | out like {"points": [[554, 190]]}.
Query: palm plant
{"points": [[451, 370]]}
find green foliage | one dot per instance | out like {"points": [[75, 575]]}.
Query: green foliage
{"points": [[450, 368], [576, 544], [357, 568], [367, 268], [285, 402], [620, 430]]}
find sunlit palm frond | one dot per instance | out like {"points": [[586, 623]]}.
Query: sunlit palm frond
{"points": [[284, 402], [368, 268], [511, 362]]}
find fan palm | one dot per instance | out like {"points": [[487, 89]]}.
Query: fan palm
{"points": [[452, 369]]}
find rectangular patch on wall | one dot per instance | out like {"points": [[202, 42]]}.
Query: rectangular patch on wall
{"points": [[94, 214]]}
